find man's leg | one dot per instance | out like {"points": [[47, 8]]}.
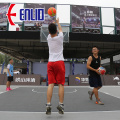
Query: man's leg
{"points": [[49, 97], [49, 93], [94, 81], [10, 85], [95, 91], [61, 99], [61, 93], [7, 85], [60, 78], [98, 88]]}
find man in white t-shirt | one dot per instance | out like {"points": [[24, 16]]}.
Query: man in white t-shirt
{"points": [[56, 66]]}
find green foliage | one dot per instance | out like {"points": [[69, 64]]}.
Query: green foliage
{"points": [[1, 58], [5, 58]]}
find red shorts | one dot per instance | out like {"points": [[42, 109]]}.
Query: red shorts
{"points": [[56, 72]]}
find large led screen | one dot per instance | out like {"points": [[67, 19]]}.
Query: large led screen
{"points": [[3, 17], [85, 19]]}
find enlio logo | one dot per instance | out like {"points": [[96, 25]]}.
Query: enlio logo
{"points": [[27, 14]]}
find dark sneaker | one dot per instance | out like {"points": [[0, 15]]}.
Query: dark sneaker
{"points": [[90, 95], [48, 109], [99, 103], [60, 107]]}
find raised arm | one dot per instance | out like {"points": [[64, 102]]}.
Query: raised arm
{"points": [[59, 26]]}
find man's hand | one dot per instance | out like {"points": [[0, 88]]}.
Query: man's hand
{"points": [[10, 75], [54, 22], [57, 20], [97, 71], [59, 26]]}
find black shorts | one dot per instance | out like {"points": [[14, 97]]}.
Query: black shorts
{"points": [[10, 78], [95, 81]]}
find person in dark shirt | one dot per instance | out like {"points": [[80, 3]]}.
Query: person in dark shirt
{"points": [[93, 63]]}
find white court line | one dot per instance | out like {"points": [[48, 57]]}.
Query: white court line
{"points": [[57, 86], [54, 93], [109, 94], [47, 87], [57, 112], [65, 86], [8, 91], [111, 86]]}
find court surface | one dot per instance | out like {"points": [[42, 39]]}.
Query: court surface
{"points": [[28, 103]]}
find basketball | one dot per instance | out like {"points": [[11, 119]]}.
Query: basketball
{"points": [[51, 11], [102, 70]]}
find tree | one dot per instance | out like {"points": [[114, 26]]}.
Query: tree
{"points": [[5, 58], [1, 58]]}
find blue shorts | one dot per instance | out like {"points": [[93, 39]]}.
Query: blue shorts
{"points": [[95, 81]]}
